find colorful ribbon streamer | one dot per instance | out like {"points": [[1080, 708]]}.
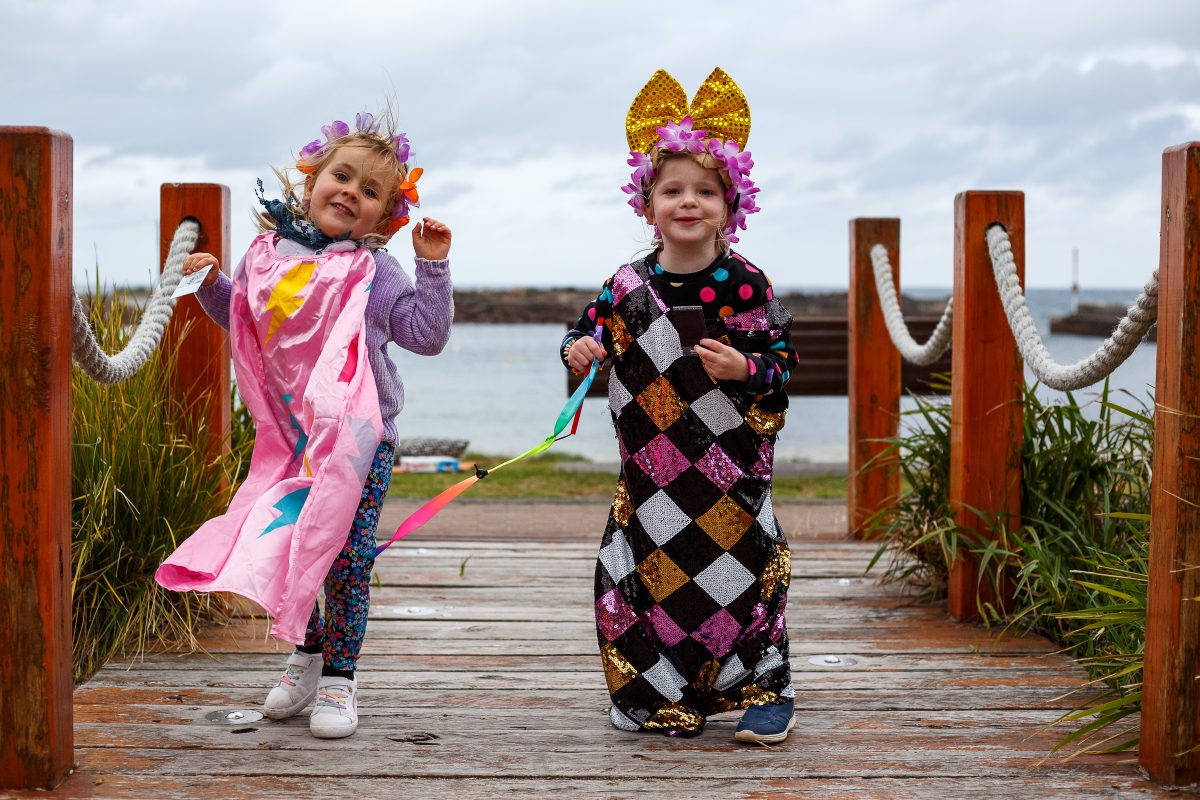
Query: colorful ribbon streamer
{"points": [[569, 415]]}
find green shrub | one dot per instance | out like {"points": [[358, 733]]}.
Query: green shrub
{"points": [[140, 486], [1080, 554]]}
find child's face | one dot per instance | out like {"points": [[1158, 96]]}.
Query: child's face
{"points": [[350, 192], [687, 202]]}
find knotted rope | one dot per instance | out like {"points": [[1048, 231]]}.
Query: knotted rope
{"points": [[104, 368], [919, 354], [1110, 355]]}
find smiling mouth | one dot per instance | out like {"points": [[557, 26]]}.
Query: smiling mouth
{"points": [[341, 209]]}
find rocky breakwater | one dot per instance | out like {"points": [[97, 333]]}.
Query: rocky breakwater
{"points": [[1094, 319], [559, 305]]}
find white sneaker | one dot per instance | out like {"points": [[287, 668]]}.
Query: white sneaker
{"points": [[336, 714], [296, 688]]}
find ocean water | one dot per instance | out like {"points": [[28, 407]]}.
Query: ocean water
{"points": [[502, 387]]}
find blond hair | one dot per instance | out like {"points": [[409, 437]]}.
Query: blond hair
{"points": [[296, 186]]}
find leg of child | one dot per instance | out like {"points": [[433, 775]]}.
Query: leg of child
{"points": [[297, 686], [347, 602]]}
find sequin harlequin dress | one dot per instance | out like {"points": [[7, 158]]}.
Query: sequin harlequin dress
{"points": [[692, 576]]}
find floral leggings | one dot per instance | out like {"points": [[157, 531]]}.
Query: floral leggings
{"points": [[348, 584]]}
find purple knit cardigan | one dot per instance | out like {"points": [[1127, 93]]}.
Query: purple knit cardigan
{"points": [[416, 317]]}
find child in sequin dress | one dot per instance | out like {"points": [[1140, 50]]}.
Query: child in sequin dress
{"points": [[692, 577], [317, 272]]}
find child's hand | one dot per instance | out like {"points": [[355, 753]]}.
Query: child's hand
{"points": [[431, 240], [722, 361], [580, 356], [198, 261]]}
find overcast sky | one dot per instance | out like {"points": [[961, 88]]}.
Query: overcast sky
{"points": [[516, 111]]}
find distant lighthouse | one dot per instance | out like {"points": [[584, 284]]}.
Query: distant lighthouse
{"points": [[1074, 279]]}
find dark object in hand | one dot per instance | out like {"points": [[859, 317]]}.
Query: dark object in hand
{"points": [[689, 322]]}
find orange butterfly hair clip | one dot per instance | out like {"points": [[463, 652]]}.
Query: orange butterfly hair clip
{"points": [[408, 188]]}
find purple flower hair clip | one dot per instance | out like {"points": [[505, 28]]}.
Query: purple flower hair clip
{"points": [[680, 137], [364, 122], [400, 145], [335, 130]]}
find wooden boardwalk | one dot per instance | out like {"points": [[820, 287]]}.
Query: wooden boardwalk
{"points": [[480, 678]]}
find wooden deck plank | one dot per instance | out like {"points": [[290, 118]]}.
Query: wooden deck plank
{"points": [[119, 787], [384, 700], [488, 684], [384, 666]]}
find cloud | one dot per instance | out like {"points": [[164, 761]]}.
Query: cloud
{"points": [[516, 111], [116, 211]]}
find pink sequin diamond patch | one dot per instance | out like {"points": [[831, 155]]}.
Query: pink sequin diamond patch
{"points": [[719, 468], [661, 460], [753, 320], [624, 282], [778, 626], [664, 627], [613, 615], [718, 633], [762, 467]]}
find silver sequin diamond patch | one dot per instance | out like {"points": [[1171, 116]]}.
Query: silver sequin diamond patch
{"points": [[770, 660], [618, 395], [617, 557], [666, 679], [661, 518], [661, 343], [717, 412], [766, 518], [621, 721], [733, 671], [725, 579]]}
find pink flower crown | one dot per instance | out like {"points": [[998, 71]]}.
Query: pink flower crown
{"points": [[406, 193], [678, 137]]}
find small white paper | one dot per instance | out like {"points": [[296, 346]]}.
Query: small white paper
{"points": [[190, 283]]}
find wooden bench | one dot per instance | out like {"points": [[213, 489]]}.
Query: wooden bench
{"points": [[822, 344]]}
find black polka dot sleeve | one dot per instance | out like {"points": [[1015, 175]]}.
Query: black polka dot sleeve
{"points": [[595, 311]]}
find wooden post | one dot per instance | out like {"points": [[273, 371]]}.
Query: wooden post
{"points": [[36, 736], [1171, 695], [874, 376], [202, 378], [986, 388]]}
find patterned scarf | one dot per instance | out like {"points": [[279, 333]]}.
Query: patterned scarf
{"points": [[298, 229]]}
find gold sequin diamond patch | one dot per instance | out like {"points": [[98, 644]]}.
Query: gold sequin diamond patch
{"points": [[764, 423], [674, 715], [660, 575], [725, 522], [778, 572], [662, 403], [755, 695], [706, 676], [617, 669], [620, 335], [622, 507]]}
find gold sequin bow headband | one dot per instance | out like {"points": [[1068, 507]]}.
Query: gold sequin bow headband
{"points": [[717, 122], [719, 107]]}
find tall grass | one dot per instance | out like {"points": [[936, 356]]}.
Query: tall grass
{"points": [[140, 485], [1077, 565]]}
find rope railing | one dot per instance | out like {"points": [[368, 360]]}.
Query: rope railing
{"points": [[1111, 354], [919, 354], [104, 368]]}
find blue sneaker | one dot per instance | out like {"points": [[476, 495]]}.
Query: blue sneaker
{"points": [[766, 724]]}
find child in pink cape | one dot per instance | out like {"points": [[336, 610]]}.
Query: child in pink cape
{"points": [[311, 309]]}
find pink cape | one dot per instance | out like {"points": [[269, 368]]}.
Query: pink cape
{"points": [[299, 349]]}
